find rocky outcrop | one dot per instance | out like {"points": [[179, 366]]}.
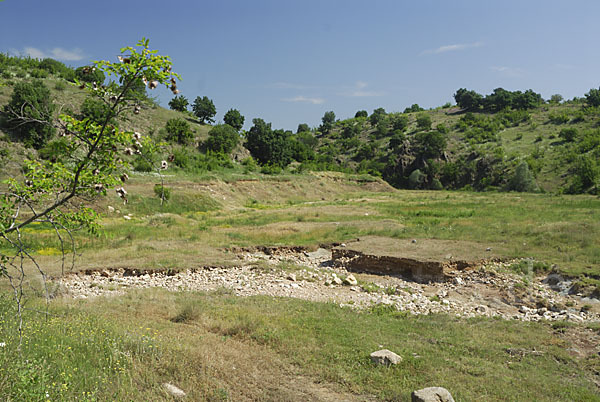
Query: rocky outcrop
{"points": [[409, 268]]}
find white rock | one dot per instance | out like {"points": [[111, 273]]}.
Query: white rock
{"points": [[173, 390], [385, 357], [432, 394], [350, 280]]}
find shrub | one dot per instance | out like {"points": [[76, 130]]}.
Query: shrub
{"points": [[559, 117], [30, 101], [54, 150], [523, 180], [89, 74], [568, 134], [423, 122], [162, 192], [60, 86], [399, 121], [97, 111], [142, 165], [222, 138], [179, 131], [39, 73]]}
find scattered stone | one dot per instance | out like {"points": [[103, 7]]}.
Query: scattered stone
{"points": [[414, 241], [173, 390], [488, 249], [350, 280], [292, 277], [385, 357], [481, 309], [127, 217], [432, 394], [111, 209], [336, 280]]}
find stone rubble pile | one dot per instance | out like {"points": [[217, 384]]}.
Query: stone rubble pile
{"points": [[483, 292]]}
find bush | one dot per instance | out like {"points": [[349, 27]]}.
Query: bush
{"points": [[424, 122], [399, 122], [523, 180], [559, 117], [162, 192], [60, 86], [97, 111], [179, 131], [55, 150], [88, 74], [39, 73], [140, 164], [222, 138], [30, 101], [568, 134]]}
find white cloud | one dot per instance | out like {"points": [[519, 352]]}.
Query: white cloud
{"points": [[288, 85], [57, 53], [359, 91], [452, 48], [314, 101], [508, 71]]}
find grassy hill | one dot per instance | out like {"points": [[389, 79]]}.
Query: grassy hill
{"points": [[483, 149], [219, 346]]}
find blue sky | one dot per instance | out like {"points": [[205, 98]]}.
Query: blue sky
{"points": [[289, 61]]}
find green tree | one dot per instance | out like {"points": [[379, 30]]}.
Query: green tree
{"points": [[556, 99], [28, 114], [361, 113], [399, 122], [592, 98], [468, 100], [97, 110], [234, 118], [302, 128], [377, 115], [204, 109], [423, 122], [90, 74], [58, 193], [268, 146], [414, 108], [328, 119], [179, 131], [179, 103], [222, 138], [498, 100], [523, 180], [430, 144]]}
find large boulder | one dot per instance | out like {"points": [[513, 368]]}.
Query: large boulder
{"points": [[431, 394]]}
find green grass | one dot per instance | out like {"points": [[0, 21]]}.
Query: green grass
{"points": [[132, 344]]}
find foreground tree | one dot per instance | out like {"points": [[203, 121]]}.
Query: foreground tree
{"points": [[58, 193], [204, 109], [234, 118]]}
